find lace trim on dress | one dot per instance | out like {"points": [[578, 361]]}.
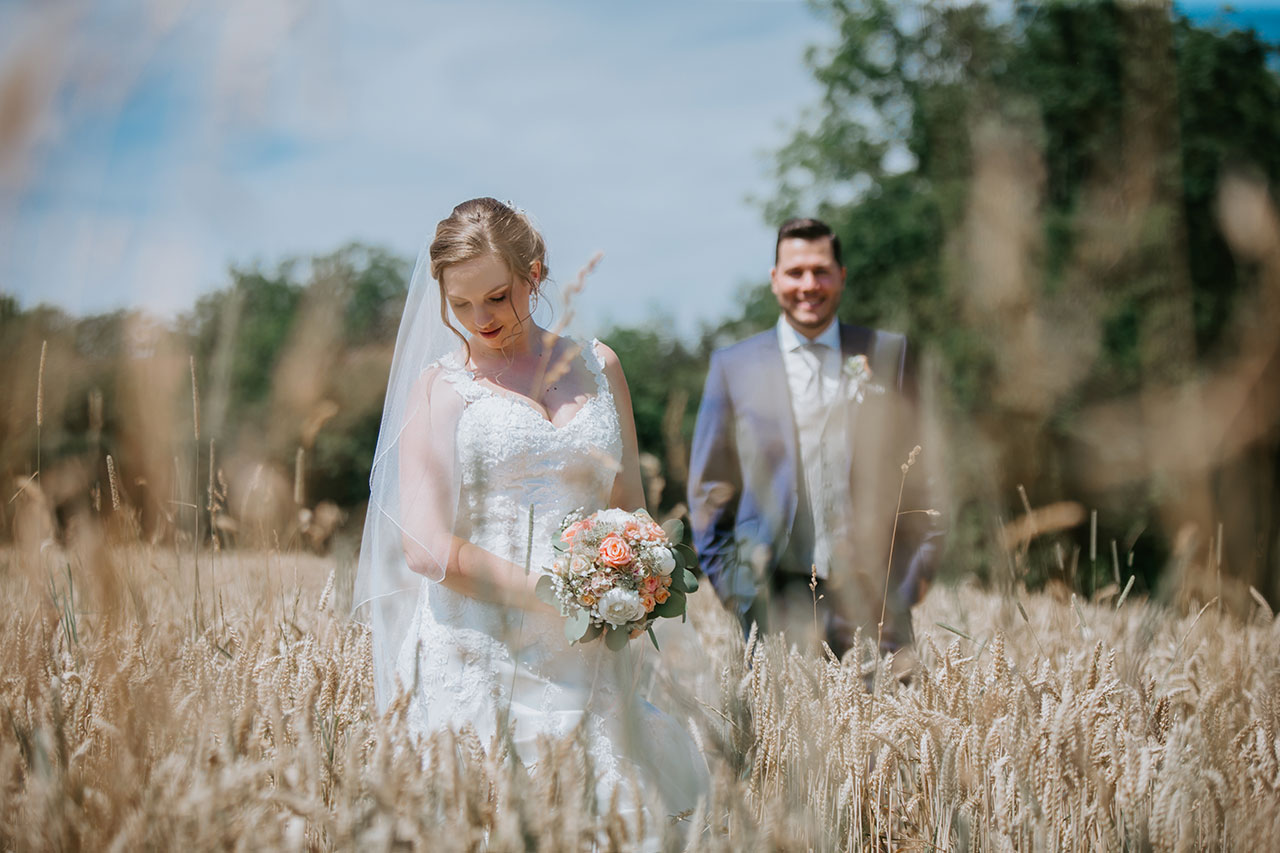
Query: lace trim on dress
{"points": [[596, 365], [455, 372]]}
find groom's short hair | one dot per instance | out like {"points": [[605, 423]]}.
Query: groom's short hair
{"points": [[805, 228]]}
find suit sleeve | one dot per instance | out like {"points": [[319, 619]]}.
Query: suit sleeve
{"points": [[715, 481]]}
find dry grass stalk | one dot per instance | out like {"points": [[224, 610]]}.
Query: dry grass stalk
{"points": [[299, 484], [251, 736], [115, 484], [44, 349], [195, 401], [893, 538], [148, 727]]}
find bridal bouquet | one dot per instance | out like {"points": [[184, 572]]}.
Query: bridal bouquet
{"points": [[615, 572]]}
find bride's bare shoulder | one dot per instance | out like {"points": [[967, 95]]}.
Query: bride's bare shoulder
{"points": [[608, 358]]}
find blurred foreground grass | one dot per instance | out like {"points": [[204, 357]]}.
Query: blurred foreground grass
{"points": [[136, 716]]}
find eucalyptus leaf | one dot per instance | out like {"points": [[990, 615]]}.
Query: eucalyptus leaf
{"points": [[545, 590], [654, 637], [683, 580], [674, 528], [576, 625], [592, 632], [690, 581], [616, 638], [672, 607]]}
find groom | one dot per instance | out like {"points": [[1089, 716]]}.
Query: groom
{"points": [[797, 464]]}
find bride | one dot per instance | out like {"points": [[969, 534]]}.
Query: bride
{"points": [[493, 431]]}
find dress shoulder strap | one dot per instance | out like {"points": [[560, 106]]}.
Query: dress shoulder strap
{"points": [[453, 371], [591, 355]]}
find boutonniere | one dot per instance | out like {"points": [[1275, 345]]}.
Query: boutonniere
{"points": [[856, 373]]}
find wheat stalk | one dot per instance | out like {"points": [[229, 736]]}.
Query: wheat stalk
{"points": [[260, 734], [44, 347], [299, 483], [195, 488], [115, 486], [893, 538]]}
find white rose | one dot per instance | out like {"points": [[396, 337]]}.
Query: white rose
{"points": [[580, 565], [616, 517], [620, 606], [560, 565], [665, 563]]}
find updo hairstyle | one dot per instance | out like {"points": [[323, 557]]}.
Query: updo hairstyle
{"points": [[484, 226]]}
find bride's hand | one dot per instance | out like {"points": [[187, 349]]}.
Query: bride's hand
{"points": [[480, 574]]}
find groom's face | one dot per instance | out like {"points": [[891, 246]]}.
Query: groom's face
{"points": [[807, 282]]}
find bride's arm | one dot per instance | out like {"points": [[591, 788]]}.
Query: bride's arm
{"points": [[428, 490], [481, 574], [628, 488]]}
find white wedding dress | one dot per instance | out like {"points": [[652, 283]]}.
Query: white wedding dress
{"points": [[471, 662]]}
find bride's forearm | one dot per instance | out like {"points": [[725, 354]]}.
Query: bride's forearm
{"points": [[481, 574]]}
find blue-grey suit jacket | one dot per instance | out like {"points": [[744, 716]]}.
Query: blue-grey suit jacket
{"points": [[745, 486]]}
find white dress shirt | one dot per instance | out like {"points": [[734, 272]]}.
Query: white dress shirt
{"points": [[813, 377]]}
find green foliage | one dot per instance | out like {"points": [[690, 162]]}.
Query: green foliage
{"points": [[665, 378], [252, 318], [888, 159], [333, 317], [253, 324], [9, 308]]}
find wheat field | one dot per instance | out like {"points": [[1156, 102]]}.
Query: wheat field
{"points": [[138, 714]]}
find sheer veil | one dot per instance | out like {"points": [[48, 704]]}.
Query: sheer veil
{"points": [[413, 486], [415, 482]]}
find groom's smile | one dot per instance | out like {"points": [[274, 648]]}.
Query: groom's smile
{"points": [[807, 282]]}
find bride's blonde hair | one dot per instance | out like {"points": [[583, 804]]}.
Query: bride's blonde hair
{"points": [[486, 226]]}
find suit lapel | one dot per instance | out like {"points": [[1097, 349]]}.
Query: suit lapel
{"points": [[763, 387], [773, 382], [854, 340]]}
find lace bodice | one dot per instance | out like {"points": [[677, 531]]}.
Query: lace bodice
{"points": [[511, 458], [520, 475]]}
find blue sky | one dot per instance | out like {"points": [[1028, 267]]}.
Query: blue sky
{"points": [[162, 141], [175, 146]]}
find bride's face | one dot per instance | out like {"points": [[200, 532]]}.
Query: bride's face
{"points": [[489, 301]]}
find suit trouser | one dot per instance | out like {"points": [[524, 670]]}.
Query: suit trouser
{"points": [[810, 613]]}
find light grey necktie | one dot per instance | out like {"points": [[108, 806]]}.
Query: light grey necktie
{"points": [[817, 463], [813, 353]]}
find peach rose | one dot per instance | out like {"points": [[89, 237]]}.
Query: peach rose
{"points": [[651, 584], [587, 599], [615, 552], [574, 529], [648, 601], [666, 582], [661, 595]]}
